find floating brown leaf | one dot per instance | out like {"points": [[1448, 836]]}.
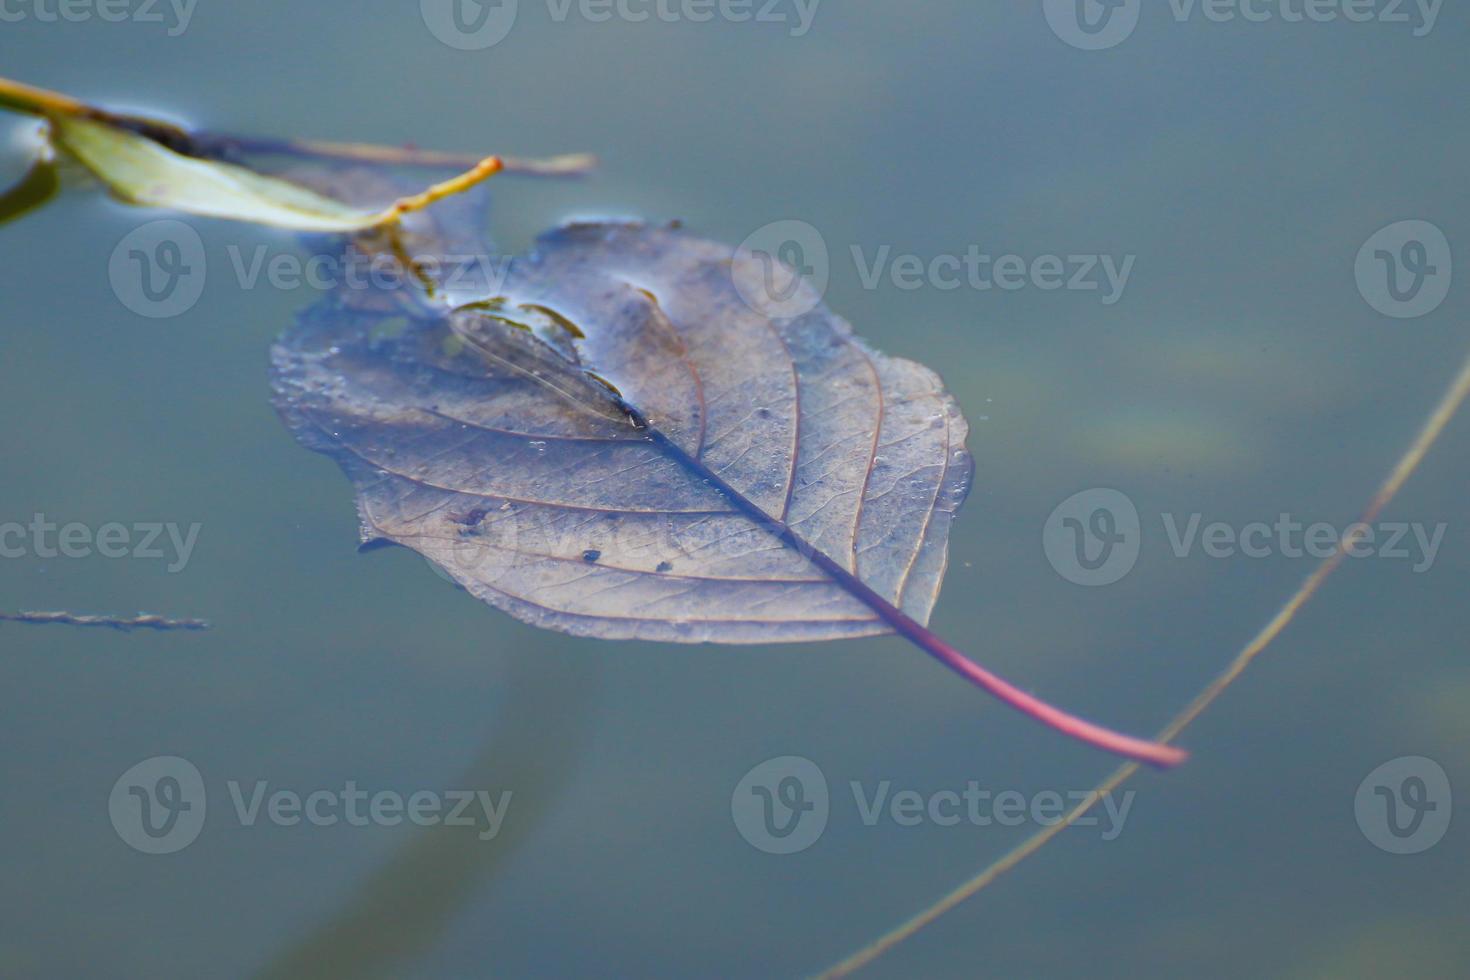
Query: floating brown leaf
{"points": [[620, 439], [524, 478]]}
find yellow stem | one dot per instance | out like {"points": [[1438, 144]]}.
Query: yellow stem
{"points": [[563, 165], [38, 101], [486, 168]]}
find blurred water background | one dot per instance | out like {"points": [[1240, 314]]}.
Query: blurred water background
{"points": [[1239, 376]]}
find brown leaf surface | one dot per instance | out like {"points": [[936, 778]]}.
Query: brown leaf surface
{"points": [[484, 440]]}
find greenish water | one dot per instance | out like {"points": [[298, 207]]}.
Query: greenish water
{"points": [[1239, 376]]}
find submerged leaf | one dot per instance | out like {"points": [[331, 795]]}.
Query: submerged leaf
{"points": [[38, 186], [513, 460]]}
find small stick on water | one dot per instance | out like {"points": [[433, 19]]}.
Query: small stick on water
{"points": [[562, 165], [19, 97], [482, 170], [125, 624]]}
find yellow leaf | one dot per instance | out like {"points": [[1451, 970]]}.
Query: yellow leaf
{"points": [[141, 171]]}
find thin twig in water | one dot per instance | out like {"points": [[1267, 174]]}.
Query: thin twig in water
{"points": [[1453, 399], [126, 624], [19, 97], [562, 165]]}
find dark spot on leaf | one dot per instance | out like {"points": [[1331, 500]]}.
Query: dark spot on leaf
{"points": [[591, 555], [471, 518], [664, 566]]}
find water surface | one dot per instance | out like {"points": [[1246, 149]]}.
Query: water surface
{"points": [[1240, 375]]}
